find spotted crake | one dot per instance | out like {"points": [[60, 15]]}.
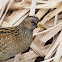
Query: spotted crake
{"points": [[14, 40]]}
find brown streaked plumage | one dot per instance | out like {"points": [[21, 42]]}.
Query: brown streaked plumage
{"points": [[14, 40]]}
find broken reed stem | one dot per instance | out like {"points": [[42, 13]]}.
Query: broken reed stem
{"points": [[44, 6], [51, 22], [51, 2], [6, 11], [37, 47], [45, 38], [56, 19], [17, 57], [41, 13], [39, 50], [13, 15], [32, 9], [42, 1], [15, 19], [47, 3], [18, 5], [50, 34], [51, 14], [2, 10], [54, 46], [18, 22], [3, 3], [58, 53], [38, 6], [55, 22], [51, 45], [28, 55]]}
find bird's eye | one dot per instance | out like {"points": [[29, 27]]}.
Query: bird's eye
{"points": [[32, 21]]}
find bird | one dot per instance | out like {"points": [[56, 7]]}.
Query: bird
{"points": [[17, 39]]}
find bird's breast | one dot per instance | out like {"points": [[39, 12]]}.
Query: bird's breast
{"points": [[14, 41]]}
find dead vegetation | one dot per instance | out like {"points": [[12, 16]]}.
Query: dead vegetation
{"points": [[49, 12]]}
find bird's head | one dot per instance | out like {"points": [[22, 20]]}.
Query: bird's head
{"points": [[31, 22]]}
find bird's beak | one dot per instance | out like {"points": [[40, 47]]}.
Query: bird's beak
{"points": [[40, 25]]}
